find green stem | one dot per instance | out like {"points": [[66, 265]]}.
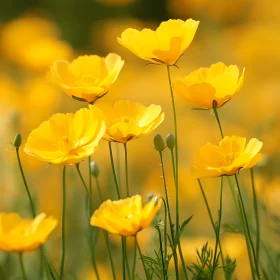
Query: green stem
{"points": [[90, 229], [169, 216], [212, 223], [141, 257], [165, 228], [25, 184], [126, 170], [134, 259], [218, 227], [256, 210], [164, 274], [177, 210], [247, 228], [22, 266], [123, 258], [84, 183], [218, 120], [114, 170], [126, 259], [176, 151], [63, 223], [106, 236]]}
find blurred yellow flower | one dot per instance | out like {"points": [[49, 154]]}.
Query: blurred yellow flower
{"points": [[22, 235], [125, 217], [163, 46], [201, 87], [88, 77], [66, 138], [126, 120], [228, 158]]}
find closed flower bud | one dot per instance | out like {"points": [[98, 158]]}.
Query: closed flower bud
{"points": [[17, 140], [170, 141], [94, 169], [159, 143]]}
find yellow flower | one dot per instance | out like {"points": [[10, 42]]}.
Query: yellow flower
{"points": [[163, 46], [66, 138], [88, 77], [228, 158], [125, 217], [126, 120], [201, 87], [21, 235]]}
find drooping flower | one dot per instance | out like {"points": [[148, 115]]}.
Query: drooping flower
{"points": [[203, 86], [228, 158], [66, 138], [125, 217], [163, 46], [126, 120], [88, 77], [23, 235]]}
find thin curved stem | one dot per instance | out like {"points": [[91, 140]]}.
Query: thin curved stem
{"points": [[247, 228], [114, 170], [63, 223], [165, 228], [176, 150], [256, 210], [84, 183], [134, 259], [169, 217], [22, 266], [218, 121], [141, 257], [164, 273], [123, 258], [126, 169]]}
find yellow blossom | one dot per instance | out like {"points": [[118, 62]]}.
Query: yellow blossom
{"points": [[228, 158], [125, 217], [201, 87], [163, 46], [88, 77], [126, 120], [66, 138], [22, 235]]}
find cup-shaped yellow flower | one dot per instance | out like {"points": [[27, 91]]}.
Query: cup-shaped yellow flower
{"points": [[24, 235], [88, 77], [127, 120], [163, 46], [125, 217], [66, 138], [228, 158], [203, 86]]}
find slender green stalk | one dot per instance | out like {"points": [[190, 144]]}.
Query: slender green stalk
{"points": [[256, 210], [176, 150], [134, 259], [84, 183], [126, 259], [165, 228], [114, 170], [123, 258], [63, 223], [169, 217], [217, 118], [212, 222], [106, 236], [25, 184], [180, 248], [22, 266], [126, 170], [141, 257], [164, 274], [218, 226], [90, 229], [247, 228]]}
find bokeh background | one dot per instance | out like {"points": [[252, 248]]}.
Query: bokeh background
{"points": [[243, 32]]}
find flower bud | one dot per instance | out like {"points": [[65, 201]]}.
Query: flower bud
{"points": [[17, 140], [94, 169], [170, 141], [159, 143]]}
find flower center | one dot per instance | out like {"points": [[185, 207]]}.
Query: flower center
{"points": [[229, 158], [125, 119], [87, 81]]}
